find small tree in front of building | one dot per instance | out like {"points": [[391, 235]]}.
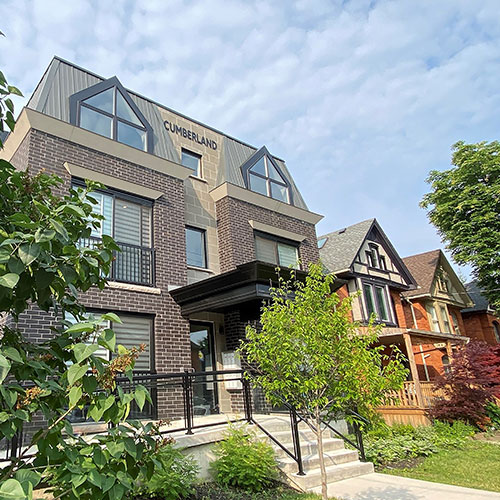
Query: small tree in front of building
{"points": [[311, 354]]}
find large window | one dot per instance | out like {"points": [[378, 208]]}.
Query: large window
{"points": [[265, 178], [196, 254], [192, 161], [134, 331], [276, 251], [108, 110], [128, 220], [376, 301]]}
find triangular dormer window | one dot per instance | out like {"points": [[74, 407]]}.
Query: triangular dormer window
{"points": [[263, 175], [108, 110]]}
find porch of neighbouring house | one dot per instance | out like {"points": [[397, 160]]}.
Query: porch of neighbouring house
{"points": [[428, 354]]}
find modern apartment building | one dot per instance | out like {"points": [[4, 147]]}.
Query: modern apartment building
{"points": [[202, 219]]}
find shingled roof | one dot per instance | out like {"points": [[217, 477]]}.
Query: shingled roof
{"points": [[480, 301], [423, 268], [342, 246]]}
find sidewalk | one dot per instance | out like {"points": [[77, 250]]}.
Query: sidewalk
{"points": [[385, 487]]}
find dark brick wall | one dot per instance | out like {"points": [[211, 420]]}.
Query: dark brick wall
{"points": [[40, 151], [479, 326], [236, 236]]}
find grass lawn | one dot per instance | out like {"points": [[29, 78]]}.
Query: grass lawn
{"points": [[476, 465]]}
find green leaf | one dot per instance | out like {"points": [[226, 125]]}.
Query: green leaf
{"points": [[75, 210], [9, 280], [14, 90], [29, 476], [84, 351], [4, 254], [15, 265], [12, 490], [83, 327], [140, 396], [12, 354], [111, 317], [28, 253], [108, 339], [76, 372], [99, 457], [75, 395], [44, 235], [60, 229], [4, 367], [115, 449], [108, 484]]}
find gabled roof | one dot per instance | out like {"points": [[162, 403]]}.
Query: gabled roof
{"points": [[425, 266], [480, 301], [342, 246]]}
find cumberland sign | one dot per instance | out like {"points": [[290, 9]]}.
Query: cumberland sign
{"points": [[193, 136]]}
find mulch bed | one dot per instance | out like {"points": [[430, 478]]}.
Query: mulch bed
{"points": [[488, 437]]}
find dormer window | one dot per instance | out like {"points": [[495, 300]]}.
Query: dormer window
{"points": [[108, 110], [263, 175]]}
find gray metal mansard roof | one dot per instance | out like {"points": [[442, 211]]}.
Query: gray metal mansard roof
{"points": [[63, 79]]}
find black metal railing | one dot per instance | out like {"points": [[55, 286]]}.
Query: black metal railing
{"points": [[132, 264], [182, 396]]}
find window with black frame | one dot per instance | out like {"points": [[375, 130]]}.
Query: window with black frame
{"points": [[376, 301], [196, 253], [128, 219], [276, 251]]}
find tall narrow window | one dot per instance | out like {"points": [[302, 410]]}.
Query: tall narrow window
{"points": [[195, 247], [128, 220], [496, 331], [192, 161], [370, 300], [376, 301], [456, 324], [108, 110], [445, 319], [433, 318]]}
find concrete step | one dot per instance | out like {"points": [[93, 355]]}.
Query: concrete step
{"points": [[311, 462], [312, 480], [309, 448], [276, 424]]}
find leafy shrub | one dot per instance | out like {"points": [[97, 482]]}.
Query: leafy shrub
{"points": [[402, 442], [493, 413], [244, 461], [473, 381], [174, 474]]}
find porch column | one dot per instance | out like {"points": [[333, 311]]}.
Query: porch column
{"points": [[449, 351], [413, 369]]}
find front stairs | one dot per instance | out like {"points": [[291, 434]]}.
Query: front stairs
{"points": [[340, 463]]}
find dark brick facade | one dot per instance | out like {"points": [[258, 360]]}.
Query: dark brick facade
{"points": [[236, 236]]}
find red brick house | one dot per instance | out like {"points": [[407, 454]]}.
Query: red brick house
{"points": [[481, 321]]}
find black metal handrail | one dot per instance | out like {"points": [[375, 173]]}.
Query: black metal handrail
{"points": [[132, 264], [185, 381]]}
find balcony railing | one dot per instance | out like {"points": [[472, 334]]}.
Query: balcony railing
{"points": [[407, 396], [133, 264]]}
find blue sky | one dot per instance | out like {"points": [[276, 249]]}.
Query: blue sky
{"points": [[361, 98]]}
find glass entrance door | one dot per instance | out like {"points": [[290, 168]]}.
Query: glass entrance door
{"points": [[205, 397]]}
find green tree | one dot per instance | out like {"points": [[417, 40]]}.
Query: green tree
{"points": [[42, 262], [464, 205], [310, 353]]}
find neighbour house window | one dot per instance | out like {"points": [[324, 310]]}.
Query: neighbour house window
{"points": [[446, 363], [445, 319], [276, 251], [128, 220], [496, 330], [456, 324], [434, 319], [134, 331], [374, 259], [196, 254], [376, 301], [192, 161], [112, 113], [264, 177]]}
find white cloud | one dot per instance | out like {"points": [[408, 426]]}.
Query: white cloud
{"points": [[362, 97]]}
